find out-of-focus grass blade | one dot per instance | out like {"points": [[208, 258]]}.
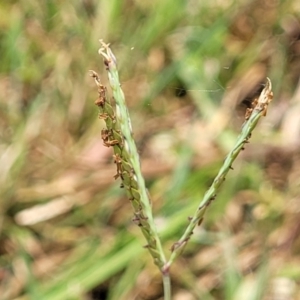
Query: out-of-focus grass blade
{"points": [[121, 287], [89, 276]]}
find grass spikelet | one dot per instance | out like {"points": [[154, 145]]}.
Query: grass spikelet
{"points": [[118, 134], [259, 109]]}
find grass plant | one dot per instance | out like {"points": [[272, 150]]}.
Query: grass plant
{"points": [[118, 134]]}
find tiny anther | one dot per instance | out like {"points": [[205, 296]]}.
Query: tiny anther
{"points": [[212, 198], [106, 63], [136, 220], [95, 76], [117, 159], [100, 101], [109, 143], [200, 221], [248, 113], [175, 246], [103, 116]]}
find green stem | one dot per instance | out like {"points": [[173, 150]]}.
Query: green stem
{"points": [[167, 286], [256, 113], [136, 187]]}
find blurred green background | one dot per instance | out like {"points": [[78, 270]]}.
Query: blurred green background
{"points": [[188, 70]]}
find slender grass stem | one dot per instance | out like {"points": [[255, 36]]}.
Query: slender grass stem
{"points": [[129, 164], [167, 286], [252, 117]]}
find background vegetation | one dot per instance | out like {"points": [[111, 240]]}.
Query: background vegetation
{"points": [[188, 68]]}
